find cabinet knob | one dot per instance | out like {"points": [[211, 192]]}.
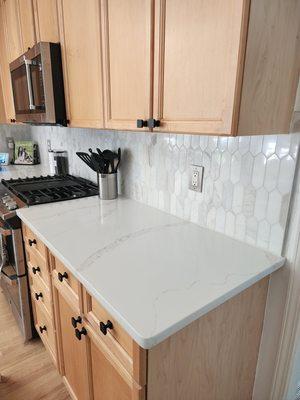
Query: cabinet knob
{"points": [[79, 333], [153, 123], [36, 269], [43, 328], [141, 123], [38, 295], [104, 327], [63, 276], [31, 242], [76, 321]]}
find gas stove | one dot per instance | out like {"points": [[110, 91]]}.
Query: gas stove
{"points": [[17, 193]]}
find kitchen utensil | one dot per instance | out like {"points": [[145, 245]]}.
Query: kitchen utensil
{"points": [[58, 162], [86, 158], [108, 186]]}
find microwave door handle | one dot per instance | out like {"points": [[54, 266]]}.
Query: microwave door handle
{"points": [[29, 83]]}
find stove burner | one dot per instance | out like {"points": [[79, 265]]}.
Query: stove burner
{"points": [[48, 189]]}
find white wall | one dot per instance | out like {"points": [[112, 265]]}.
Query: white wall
{"points": [[247, 180]]}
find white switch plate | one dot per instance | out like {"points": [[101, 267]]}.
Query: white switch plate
{"points": [[196, 178]]}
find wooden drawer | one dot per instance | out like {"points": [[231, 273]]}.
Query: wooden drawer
{"points": [[44, 327], [33, 244], [38, 266], [65, 282], [40, 292], [116, 339]]}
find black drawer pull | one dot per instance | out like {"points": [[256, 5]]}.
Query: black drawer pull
{"points": [[36, 269], [141, 123], [76, 321], [79, 333], [104, 327], [63, 276], [38, 295], [153, 123], [43, 328], [31, 242]]}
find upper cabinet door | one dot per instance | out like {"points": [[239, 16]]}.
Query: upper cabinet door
{"points": [[27, 24], [12, 31], [80, 37], [46, 23], [127, 29], [197, 58]]}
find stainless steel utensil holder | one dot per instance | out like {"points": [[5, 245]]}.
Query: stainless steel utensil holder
{"points": [[108, 186]]}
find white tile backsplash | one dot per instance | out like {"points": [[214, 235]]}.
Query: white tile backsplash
{"points": [[247, 180]]}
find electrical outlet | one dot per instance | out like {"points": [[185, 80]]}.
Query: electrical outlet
{"points": [[196, 178]]}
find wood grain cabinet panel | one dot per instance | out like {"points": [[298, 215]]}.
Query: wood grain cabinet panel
{"points": [[226, 68], [80, 39], [73, 352], [12, 31], [28, 33], [197, 45], [46, 20], [127, 30]]}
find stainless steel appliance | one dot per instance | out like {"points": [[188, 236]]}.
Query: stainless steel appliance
{"points": [[12, 263], [37, 83], [16, 193]]}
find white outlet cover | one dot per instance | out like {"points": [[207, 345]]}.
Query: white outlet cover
{"points": [[196, 178]]}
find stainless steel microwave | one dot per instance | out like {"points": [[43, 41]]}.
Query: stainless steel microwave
{"points": [[38, 87]]}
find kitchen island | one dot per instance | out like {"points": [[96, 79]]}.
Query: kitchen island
{"points": [[191, 300]]}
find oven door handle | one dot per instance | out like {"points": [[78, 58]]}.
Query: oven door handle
{"points": [[28, 63]]}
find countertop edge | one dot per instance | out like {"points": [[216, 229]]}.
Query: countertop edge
{"points": [[149, 342]]}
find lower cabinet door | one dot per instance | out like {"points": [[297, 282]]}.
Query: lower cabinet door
{"points": [[73, 351], [110, 381]]}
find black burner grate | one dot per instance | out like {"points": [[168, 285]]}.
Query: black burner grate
{"points": [[48, 189]]}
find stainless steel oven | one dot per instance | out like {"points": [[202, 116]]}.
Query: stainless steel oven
{"points": [[37, 84], [13, 274]]}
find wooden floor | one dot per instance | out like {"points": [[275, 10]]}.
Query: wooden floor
{"points": [[27, 369]]}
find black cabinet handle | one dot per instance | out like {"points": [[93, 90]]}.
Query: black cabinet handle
{"points": [[36, 269], [79, 333], [141, 123], [63, 276], [153, 123], [43, 328], [76, 321], [12, 120], [104, 327], [31, 242], [38, 295]]}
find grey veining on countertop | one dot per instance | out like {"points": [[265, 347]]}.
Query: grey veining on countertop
{"points": [[154, 272]]}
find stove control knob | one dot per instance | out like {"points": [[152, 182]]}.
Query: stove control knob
{"points": [[6, 199], [12, 205]]}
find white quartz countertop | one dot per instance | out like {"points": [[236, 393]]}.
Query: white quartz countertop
{"points": [[153, 272]]}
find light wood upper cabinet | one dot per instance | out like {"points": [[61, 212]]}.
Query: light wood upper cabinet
{"points": [[197, 59], [18, 27], [227, 68], [127, 29], [46, 21], [272, 67], [27, 27], [4, 71], [80, 39], [12, 31]]}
